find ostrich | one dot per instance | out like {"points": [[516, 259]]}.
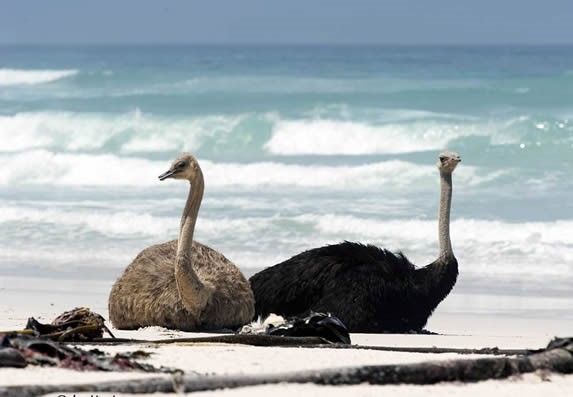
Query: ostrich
{"points": [[369, 288], [182, 284]]}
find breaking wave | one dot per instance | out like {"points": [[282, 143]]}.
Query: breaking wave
{"points": [[11, 77], [260, 134], [107, 169], [334, 137], [328, 137], [122, 133], [482, 246]]}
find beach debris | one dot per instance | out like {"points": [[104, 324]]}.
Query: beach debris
{"points": [[79, 324], [45, 352], [260, 325], [324, 325], [492, 351], [10, 357], [556, 358], [235, 339]]}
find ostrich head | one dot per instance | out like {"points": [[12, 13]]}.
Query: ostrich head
{"points": [[183, 167], [448, 161]]}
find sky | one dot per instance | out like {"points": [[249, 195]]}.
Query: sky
{"points": [[287, 22]]}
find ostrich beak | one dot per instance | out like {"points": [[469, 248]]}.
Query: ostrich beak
{"points": [[166, 174]]}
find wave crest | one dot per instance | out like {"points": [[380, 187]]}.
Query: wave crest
{"points": [[10, 77], [329, 137], [258, 134], [481, 246], [490, 247], [132, 132], [44, 167]]}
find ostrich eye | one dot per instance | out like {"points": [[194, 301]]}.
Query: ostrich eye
{"points": [[180, 164], [442, 159]]}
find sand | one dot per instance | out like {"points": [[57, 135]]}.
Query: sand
{"points": [[44, 299]]}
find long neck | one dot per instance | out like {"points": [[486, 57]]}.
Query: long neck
{"points": [[437, 279], [189, 217], [191, 290], [446, 251]]}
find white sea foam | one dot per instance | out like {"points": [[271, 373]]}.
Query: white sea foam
{"points": [[495, 247], [462, 229], [400, 132], [481, 246], [492, 247], [327, 137], [84, 169], [130, 132], [115, 224], [136, 132], [66, 258], [44, 167], [10, 77]]}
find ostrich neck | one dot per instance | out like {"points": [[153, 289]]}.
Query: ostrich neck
{"points": [[189, 217], [446, 251], [191, 289], [436, 280]]}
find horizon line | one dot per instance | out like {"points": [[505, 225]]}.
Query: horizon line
{"points": [[285, 44]]}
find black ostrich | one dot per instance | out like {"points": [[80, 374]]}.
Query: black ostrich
{"points": [[369, 288]]}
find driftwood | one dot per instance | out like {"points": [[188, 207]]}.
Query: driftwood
{"points": [[494, 351], [557, 357], [309, 342], [252, 340]]}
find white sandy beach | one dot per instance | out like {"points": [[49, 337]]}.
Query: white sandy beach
{"points": [[506, 326]]}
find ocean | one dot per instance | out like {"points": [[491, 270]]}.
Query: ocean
{"points": [[300, 146]]}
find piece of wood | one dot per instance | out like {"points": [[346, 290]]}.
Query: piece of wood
{"points": [[494, 351], [252, 340], [558, 357], [306, 342]]}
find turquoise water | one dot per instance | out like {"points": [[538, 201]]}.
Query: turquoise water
{"points": [[300, 146]]}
